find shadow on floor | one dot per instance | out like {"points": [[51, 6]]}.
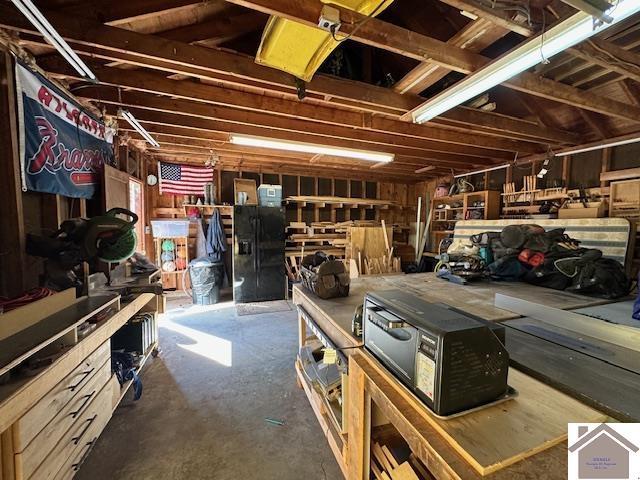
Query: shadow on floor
{"points": [[206, 397]]}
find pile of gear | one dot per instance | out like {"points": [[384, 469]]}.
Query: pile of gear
{"points": [[528, 253]]}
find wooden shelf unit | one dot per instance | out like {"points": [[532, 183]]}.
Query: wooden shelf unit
{"points": [[460, 208], [180, 250]]}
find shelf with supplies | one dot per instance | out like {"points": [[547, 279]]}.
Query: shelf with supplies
{"points": [[447, 210], [555, 202], [172, 254]]}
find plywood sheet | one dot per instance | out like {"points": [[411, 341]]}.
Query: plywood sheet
{"points": [[369, 241], [27, 315]]}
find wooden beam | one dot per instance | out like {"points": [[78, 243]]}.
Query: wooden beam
{"points": [[376, 139], [219, 29], [246, 164], [524, 127], [379, 34], [12, 227], [373, 32], [610, 57], [494, 15], [428, 168], [116, 13], [475, 37], [596, 123], [170, 142], [148, 118], [631, 90], [183, 89], [510, 127]]}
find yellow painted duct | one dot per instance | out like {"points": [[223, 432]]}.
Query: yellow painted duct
{"points": [[300, 49]]}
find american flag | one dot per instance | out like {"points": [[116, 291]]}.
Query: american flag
{"points": [[183, 179]]}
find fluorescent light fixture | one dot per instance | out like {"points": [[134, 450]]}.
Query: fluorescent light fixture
{"points": [[304, 147], [482, 171], [567, 33], [128, 116], [599, 146], [38, 20]]}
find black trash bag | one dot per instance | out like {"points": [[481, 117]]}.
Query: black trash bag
{"points": [[601, 277]]}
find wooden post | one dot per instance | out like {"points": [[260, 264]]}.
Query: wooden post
{"points": [[302, 331], [566, 169], [12, 229], [606, 165], [358, 425]]}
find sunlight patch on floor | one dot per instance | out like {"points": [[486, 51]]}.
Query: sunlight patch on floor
{"points": [[204, 344]]}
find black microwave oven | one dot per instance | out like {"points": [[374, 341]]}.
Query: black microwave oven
{"points": [[451, 360]]}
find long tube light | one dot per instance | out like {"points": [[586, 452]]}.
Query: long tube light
{"points": [[567, 33], [128, 116], [50, 34], [304, 147], [600, 145]]}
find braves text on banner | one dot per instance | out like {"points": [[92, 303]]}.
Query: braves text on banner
{"points": [[62, 147]]}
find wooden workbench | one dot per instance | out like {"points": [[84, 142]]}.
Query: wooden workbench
{"points": [[521, 439], [334, 316]]}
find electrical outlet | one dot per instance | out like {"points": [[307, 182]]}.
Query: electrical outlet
{"points": [[329, 19]]}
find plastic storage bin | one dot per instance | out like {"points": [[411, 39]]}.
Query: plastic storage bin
{"points": [[170, 228]]}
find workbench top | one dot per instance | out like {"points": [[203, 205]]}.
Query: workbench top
{"points": [[476, 298]]}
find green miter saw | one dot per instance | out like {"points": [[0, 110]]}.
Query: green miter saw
{"points": [[110, 238], [106, 237]]}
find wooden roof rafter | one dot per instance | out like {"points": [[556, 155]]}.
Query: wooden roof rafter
{"points": [[380, 34]]}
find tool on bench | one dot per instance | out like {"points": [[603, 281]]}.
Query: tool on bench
{"points": [[105, 237]]}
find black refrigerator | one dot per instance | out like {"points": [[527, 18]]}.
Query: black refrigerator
{"points": [[258, 254]]}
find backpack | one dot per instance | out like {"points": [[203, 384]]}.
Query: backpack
{"points": [[602, 277]]}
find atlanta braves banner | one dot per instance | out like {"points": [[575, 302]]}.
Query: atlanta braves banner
{"points": [[62, 147]]}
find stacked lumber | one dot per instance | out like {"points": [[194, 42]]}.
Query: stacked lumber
{"points": [[350, 201], [369, 251], [384, 466]]}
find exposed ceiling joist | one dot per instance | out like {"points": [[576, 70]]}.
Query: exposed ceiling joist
{"points": [[155, 83], [377, 140], [496, 16], [219, 29], [610, 57], [216, 61], [116, 13], [475, 37], [390, 37], [147, 118]]}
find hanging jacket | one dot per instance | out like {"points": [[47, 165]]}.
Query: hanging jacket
{"points": [[216, 243]]}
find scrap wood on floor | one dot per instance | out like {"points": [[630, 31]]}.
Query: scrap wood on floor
{"points": [[386, 467]]}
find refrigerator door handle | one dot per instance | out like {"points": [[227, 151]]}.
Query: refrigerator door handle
{"points": [[258, 235]]}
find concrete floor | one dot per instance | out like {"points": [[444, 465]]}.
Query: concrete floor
{"points": [[206, 397]]}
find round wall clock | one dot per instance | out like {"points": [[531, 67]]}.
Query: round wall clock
{"points": [[152, 180]]}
